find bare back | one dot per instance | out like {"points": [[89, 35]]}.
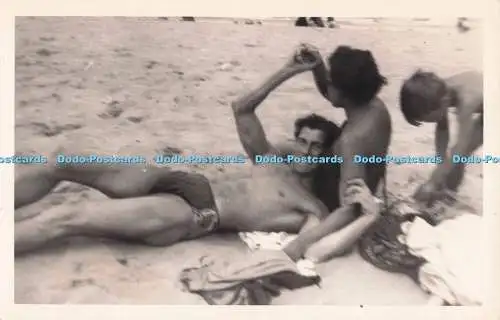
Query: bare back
{"points": [[468, 92], [368, 134]]}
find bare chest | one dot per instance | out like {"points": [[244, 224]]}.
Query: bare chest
{"points": [[267, 195]]}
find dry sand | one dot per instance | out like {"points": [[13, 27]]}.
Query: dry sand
{"points": [[139, 86]]}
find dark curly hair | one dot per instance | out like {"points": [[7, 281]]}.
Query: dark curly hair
{"points": [[421, 94], [355, 74], [314, 121]]}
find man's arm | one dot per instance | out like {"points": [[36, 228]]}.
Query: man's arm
{"points": [[442, 137], [320, 72], [448, 174], [314, 210], [341, 217], [322, 80], [470, 137], [250, 130], [340, 242]]}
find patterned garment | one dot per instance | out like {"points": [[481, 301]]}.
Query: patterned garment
{"points": [[381, 246], [254, 280]]}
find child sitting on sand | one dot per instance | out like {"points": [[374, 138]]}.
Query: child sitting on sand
{"points": [[425, 97]]}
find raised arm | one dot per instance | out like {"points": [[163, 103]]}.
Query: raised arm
{"points": [[320, 72], [322, 80], [250, 130]]}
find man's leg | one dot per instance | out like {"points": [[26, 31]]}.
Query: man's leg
{"points": [[32, 183], [155, 220], [115, 181], [457, 173]]}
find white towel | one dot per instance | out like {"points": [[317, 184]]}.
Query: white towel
{"points": [[276, 241], [266, 240], [454, 268]]}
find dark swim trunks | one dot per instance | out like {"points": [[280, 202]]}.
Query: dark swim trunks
{"points": [[195, 189]]}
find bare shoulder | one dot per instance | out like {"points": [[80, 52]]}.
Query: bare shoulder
{"points": [[379, 108]]}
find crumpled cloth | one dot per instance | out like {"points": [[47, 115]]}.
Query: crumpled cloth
{"points": [[250, 280], [454, 267]]}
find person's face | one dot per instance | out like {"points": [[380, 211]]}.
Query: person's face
{"points": [[309, 142], [437, 114]]}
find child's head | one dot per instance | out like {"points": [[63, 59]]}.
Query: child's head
{"points": [[423, 98]]}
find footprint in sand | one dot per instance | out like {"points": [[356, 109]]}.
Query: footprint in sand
{"points": [[82, 282], [122, 261], [47, 39], [45, 52], [55, 130], [228, 66], [135, 119], [184, 100], [123, 52], [169, 151], [78, 267], [114, 109], [56, 96], [151, 64]]}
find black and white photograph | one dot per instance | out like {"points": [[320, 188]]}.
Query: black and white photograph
{"points": [[182, 160]]}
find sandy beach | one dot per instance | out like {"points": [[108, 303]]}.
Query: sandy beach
{"points": [[141, 86]]}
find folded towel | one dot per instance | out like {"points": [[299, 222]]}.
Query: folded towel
{"points": [[251, 280]]}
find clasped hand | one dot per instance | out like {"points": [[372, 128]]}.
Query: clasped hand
{"points": [[306, 57]]}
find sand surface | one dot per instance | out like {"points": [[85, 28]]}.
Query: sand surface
{"points": [[140, 86]]}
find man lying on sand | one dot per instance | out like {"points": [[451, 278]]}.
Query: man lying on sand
{"points": [[352, 83], [425, 97], [158, 206]]}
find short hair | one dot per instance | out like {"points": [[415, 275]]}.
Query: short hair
{"points": [[421, 94], [355, 74], [313, 121]]}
